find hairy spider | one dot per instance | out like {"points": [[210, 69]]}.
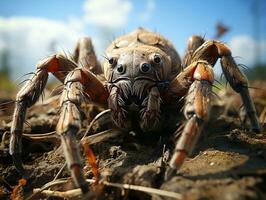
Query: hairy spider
{"points": [[143, 74]]}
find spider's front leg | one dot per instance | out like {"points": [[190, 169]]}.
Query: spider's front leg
{"points": [[84, 55], [29, 94], [79, 84], [197, 108], [210, 51]]}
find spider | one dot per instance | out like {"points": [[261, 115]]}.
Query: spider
{"points": [[143, 74]]}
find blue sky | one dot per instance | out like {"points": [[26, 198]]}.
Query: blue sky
{"points": [[176, 20]]}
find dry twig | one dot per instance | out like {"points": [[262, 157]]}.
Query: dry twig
{"points": [[77, 192]]}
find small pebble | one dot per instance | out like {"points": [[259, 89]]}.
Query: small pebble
{"points": [[212, 163]]}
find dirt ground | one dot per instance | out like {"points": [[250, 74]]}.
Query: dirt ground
{"points": [[229, 161]]}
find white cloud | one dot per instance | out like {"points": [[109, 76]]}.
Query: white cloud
{"points": [[147, 13], [29, 39], [107, 13], [244, 46], [76, 23]]}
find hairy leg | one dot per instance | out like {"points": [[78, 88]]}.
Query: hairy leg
{"points": [[196, 111], [199, 75], [194, 42], [79, 84], [29, 94], [210, 51], [84, 56]]}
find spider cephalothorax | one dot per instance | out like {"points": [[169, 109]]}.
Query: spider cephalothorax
{"points": [[143, 73], [138, 68]]}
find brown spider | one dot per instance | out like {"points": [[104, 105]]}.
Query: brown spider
{"points": [[143, 75]]}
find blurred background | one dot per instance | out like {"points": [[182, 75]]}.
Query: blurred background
{"points": [[31, 30]]}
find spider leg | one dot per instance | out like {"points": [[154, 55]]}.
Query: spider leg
{"points": [[79, 84], [199, 75], [239, 83], [196, 111], [84, 55], [29, 94], [194, 42], [210, 51], [68, 125]]}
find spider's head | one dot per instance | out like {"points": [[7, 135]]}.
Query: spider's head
{"points": [[135, 70]]}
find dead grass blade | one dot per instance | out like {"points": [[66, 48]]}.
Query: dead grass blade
{"points": [[148, 190], [77, 192], [66, 194], [102, 136]]}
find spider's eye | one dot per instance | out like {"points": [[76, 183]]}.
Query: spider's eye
{"points": [[145, 67], [112, 61], [121, 69], [157, 59]]}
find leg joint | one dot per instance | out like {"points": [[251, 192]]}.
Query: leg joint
{"points": [[204, 71]]}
